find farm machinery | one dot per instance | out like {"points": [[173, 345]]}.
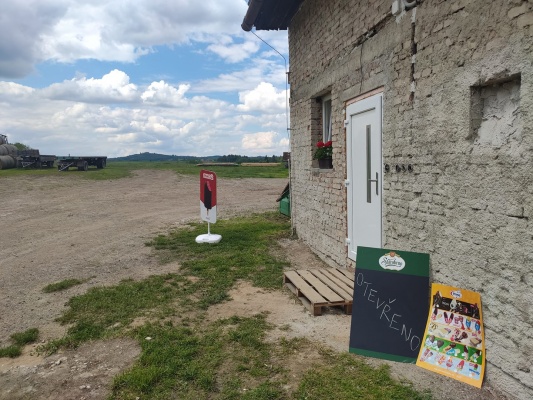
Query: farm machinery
{"points": [[32, 158], [81, 162]]}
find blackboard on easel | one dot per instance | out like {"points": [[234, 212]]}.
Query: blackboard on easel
{"points": [[390, 304]]}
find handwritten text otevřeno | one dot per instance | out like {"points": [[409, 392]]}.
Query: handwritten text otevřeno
{"points": [[386, 312]]}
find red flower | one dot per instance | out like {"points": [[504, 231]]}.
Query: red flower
{"points": [[324, 150]]}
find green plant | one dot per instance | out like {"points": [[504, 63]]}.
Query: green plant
{"points": [[26, 337], [324, 150], [19, 339], [12, 351], [65, 284], [186, 355], [124, 169], [345, 377]]}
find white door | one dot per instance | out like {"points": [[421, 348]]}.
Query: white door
{"points": [[364, 185]]}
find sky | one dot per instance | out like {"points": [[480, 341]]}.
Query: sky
{"points": [[121, 77]]}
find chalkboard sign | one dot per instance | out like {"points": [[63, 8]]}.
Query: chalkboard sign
{"points": [[390, 304]]}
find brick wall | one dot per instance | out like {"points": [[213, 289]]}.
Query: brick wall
{"points": [[457, 78]]}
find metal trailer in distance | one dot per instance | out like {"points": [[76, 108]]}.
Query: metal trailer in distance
{"points": [[81, 162], [32, 158]]}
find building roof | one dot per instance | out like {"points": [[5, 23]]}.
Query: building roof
{"points": [[270, 14]]}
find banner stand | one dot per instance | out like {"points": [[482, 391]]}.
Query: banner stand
{"points": [[208, 238], [208, 205]]}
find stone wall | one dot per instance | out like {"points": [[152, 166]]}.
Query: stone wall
{"points": [[457, 80]]}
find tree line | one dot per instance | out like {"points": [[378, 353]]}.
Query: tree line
{"points": [[235, 158]]}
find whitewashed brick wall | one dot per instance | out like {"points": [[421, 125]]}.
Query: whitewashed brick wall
{"points": [[467, 129]]}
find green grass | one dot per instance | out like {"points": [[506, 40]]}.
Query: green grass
{"points": [[26, 337], [62, 285], [179, 362], [345, 377], [27, 172], [247, 251], [12, 351], [19, 339], [185, 356], [185, 168], [105, 312], [124, 169]]}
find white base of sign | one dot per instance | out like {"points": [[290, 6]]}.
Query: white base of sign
{"points": [[208, 238]]}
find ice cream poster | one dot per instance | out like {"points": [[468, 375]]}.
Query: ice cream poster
{"points": [[208, 196], [454, 343]]}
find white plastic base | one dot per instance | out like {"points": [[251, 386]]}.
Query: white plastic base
{"points": [[208, 238]]}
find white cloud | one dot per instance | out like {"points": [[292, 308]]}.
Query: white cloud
{"points": [[9, 89], [22, 25], [276, 39], [122, 31], [234, 53], [117, 114], [259, 142], [264, 97], [112, 87], [247, 79], [162, 93], [65, 119], [70, 30]]}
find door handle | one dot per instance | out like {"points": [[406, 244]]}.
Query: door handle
{"points": [[369, 179], [375, 180]]}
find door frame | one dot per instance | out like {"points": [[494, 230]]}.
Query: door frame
{"points": [[362, 103]]}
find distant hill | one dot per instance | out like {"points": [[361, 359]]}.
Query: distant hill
{"points": [[159, 157], [227, 158]]}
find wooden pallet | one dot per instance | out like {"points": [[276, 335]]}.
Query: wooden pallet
{"points": [[318, 288]]}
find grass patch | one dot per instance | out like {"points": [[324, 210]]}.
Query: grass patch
{"points": [[26, 337], [124, 169], [63, 285], [10, 351], [184, 356], [106, 311], [247, 251], [19, 339], [219, 361], [345, 377]]}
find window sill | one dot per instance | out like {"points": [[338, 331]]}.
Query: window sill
{"points": [[317, 170]]}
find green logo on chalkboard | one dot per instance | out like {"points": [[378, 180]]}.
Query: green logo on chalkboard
{"points": [[392, 261]]}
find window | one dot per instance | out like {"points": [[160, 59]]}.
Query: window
{"points": [[321, 129], [326, 118]]}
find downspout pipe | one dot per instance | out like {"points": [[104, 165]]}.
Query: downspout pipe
{"points": [[254, 7]]}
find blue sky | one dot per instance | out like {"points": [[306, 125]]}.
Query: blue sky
{"points": [[99, 77]]}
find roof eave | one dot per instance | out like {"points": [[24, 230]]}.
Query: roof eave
{"points": [[270, 14]]}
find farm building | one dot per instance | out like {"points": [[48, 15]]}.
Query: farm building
{"points": [[429, 108]]}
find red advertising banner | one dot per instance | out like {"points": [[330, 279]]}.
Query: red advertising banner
{"points": [[208, 196]]}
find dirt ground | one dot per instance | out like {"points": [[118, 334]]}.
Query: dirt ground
{"points": [[59, 227]]}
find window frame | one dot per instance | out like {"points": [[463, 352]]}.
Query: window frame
{"points": [[327, 118]]}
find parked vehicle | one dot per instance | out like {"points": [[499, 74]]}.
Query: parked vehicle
{"points": [[32, 158], [81, 162]]}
